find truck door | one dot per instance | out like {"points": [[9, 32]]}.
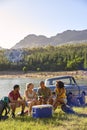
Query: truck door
{"points": [[73, 87]]}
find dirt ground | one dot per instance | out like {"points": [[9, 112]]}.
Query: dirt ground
{"points": [[20, 74]]}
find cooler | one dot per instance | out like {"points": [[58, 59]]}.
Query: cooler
{"points": [[42, 111]]}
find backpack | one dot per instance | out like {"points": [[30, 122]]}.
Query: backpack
{"points": [[4, 107], [67, 109]]}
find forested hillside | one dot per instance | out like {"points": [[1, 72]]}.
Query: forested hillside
{"points": [[50, 58]]}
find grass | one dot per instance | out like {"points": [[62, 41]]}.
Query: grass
{"points": [[59, 121]]}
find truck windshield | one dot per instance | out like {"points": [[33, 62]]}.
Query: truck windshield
{"points": [[66, 81]]}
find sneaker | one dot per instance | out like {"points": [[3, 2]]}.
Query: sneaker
{"points": [[22, 114], [29, 114]]}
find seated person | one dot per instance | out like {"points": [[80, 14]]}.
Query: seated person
{"points": [[44, 93], [30, 97], [60, 94], [53, 96], [72, 100], [82, 99], [14, 95]]}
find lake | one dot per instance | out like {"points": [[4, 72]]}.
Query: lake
{"points": [[6, 84]]}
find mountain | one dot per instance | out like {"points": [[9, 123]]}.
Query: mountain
{"points": [[32, 41], [70, 36]]}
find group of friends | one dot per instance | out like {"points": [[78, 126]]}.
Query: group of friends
{"points": [[43, 96], [32, 98]]}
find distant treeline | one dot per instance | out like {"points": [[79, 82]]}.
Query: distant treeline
{"points": [[50, 58]]}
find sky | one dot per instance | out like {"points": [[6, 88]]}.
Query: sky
{"points": [[19, 18]]}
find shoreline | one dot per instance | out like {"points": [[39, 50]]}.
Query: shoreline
{"points": [[20, 74]]}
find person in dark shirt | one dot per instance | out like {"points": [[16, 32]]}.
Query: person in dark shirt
{"points": [[82, 99], [72, 100], [16, 100]]}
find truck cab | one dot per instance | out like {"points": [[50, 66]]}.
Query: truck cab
{"points": [[69, 83]]}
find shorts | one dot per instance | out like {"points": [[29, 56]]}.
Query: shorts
{"points": [[27, 103]]}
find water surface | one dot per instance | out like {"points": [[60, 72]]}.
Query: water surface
{"points": [[6, 85]]}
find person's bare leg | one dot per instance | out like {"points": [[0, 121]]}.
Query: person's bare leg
{"points": [[13, 108], [30, 107], [50, 101], [55, 104], [22, 103], [23, 106]]}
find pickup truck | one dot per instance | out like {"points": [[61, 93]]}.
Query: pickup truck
{"points": [[69, 83]]}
